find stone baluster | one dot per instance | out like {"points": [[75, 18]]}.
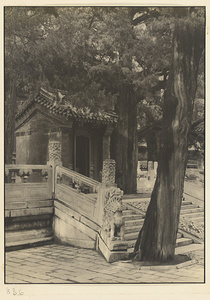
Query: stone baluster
{"points": [[25, 174], [14, 158], [59, 177], [7, 179], [44, 175], [91, 171]]}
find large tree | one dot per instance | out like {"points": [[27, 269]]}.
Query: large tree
{"points": [[157, 237]]}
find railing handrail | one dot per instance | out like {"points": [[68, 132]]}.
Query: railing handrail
{"points": [[26, 167], [77, 176]]}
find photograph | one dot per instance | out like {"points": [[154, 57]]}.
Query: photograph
{"points": [[104, 145]]}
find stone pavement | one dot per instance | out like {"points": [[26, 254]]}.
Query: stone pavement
{"points": [[65, 264]]}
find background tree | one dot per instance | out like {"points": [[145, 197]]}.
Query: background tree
{"points": [[25, 29]]}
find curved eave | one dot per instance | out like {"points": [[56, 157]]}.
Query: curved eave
{"points": [[67, 113]]}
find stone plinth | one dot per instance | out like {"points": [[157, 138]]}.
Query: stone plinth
{"points": [[110, 255], [116, 245]]}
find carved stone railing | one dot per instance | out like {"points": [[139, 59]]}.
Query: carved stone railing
{"points": [[96, 206], [28, 189], [28, 173], [75, 180], [76, 191]]}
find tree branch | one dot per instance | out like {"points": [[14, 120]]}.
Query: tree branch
{"points": [[144, 17]]}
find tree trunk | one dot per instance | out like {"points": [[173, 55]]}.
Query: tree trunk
{"points": [[124, 143], [9, 119], [157, 238]]}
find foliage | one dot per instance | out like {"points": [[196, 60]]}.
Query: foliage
{"points": [[82, 50]]}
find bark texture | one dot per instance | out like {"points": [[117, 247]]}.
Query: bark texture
{"points": [[124, 142], [157, 239]]}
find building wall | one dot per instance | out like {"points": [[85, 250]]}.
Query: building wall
{"points": [[67, 148], [32, 140], [22, 149]]}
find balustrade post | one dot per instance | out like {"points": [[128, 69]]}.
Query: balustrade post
{"points": [[108, 180], [108, 172], [110, 217], [54, 149]]}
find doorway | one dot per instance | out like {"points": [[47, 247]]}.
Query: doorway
{"points": [[82, 155]]}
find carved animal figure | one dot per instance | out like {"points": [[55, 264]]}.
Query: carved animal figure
{"points": [[117, 226]]}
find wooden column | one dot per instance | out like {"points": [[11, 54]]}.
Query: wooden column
{"points": [[91, 162], [71, 151], [106, 142]]}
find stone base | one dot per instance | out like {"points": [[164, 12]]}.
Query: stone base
{"points": [[109, 255], [73, 232], [115, 245]]}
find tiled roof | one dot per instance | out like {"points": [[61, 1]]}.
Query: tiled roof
{"points": [[56, 104]]}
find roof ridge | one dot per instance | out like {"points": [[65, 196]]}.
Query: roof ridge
{"points": [[51, 102]]}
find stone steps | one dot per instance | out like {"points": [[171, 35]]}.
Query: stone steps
{"points": [[134, 221], [198, 219], [24, 235], [28, 222], [194, 215], [15, 240], [132, 229], [189, 206], [24, 231], [17, 245], [188, 248], [183, 242], [127, 212], [132, 217], [180, 242], [27, 238], [133, 234], [185, 202]]}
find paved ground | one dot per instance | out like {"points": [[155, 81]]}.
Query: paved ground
{"points": [[64, 264]]}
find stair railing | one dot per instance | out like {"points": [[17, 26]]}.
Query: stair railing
{"points": [[76, 180]]}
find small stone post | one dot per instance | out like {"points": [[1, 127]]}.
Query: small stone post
{"points": [[54, 149]]}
